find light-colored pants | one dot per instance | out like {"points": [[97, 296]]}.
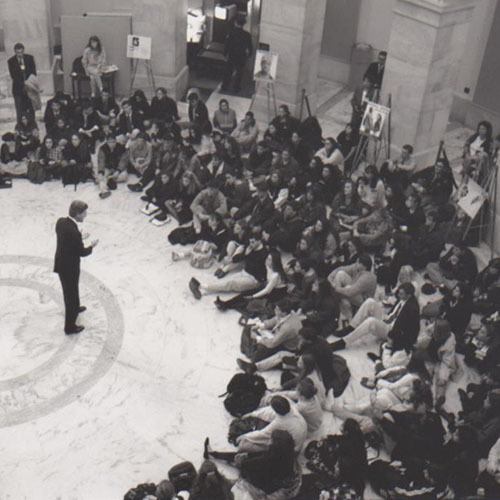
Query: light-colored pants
{"points": [[272, 361], [118, 176], [368, 323], [228, 264], [238, 282], [95, 80], [341, 280]]}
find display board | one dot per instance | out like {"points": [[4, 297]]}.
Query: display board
{"points": [[139, 47], [112, 29], [266, 66], [374, 119]]}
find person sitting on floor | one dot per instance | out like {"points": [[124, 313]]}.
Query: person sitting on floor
{"points": [[272, 473], [354, 284], [369, 322], [111, 166], [252, 276]]}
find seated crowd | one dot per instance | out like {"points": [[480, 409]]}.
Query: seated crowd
{"points": [[318, 255]]}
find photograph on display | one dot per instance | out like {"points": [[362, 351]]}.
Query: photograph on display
{"points": [[471, 197], [138, 47], [266, 65], [374, 119]]}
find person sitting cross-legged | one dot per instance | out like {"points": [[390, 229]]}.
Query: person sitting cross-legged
{"points": [[369, 322]]}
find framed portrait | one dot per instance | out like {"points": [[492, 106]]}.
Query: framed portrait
{"points": [[266, 65], [470, 197], [138, 47], [374, 119]]}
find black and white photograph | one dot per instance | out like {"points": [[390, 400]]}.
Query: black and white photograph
{"points": [[249, 250]]}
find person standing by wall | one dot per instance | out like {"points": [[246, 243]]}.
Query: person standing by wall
{"points": [[21, 67], [238, 48]]}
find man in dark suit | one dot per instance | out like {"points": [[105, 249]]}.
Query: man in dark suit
{"points": [[21, 67], [129, 120], [375, 71], [238, 48], [70, 248], [402, 322]]}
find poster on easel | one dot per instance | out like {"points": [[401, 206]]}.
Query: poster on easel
{"points": [[374, 119], [139, 47], [266, 66], [471, 197]]}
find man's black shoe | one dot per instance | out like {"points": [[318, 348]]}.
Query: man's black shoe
{"points": [[75, 330], [337, 346], [136, 188], [344, 331], [194, 286], [247, 367], [372, 357], [81, 309]]}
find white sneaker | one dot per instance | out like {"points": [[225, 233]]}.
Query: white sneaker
{"points": [[149, 209], [159, 222]]}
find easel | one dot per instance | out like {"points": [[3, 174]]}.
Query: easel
{"points": [[149, 73], [369, 143], [489, 185], [271, 97]]}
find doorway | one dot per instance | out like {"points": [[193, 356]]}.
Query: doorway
{"points": [[208, 24]]}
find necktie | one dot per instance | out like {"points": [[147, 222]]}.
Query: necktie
{"points": [[394, 313]]}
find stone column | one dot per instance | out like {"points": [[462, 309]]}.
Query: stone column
{"points": [[27, 21], [166, 22], [294, 30], [426, 43]]}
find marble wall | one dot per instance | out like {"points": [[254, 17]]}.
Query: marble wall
{"points": [[426, 44], [296, 37]]}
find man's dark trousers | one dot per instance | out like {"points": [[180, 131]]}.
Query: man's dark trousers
{"points": [[69, 282]]}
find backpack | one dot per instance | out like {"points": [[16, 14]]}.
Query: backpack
{"points": [[248, 346], [203, 254], [36, 172], [244, 393], [240, 426], [342, 375], [182, 476]]}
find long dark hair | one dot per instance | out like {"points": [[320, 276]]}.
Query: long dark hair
{"points": [[489, 129], [277, 263], [210, 484], [283, 447], [96, 39]]}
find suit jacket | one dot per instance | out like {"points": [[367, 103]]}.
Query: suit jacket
{"points": [[375, 74], [18, 75], [126, 127], [407, 324], [238, 45], [70, 247]]}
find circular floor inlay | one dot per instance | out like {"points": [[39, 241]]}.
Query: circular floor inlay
{"points": [[41, 369]]}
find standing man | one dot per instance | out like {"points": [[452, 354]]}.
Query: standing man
{"points": [[67, 262], [238, 48], [375, 72], [21, 67]]}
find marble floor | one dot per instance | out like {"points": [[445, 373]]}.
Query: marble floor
{"points": [[88, 417]]}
